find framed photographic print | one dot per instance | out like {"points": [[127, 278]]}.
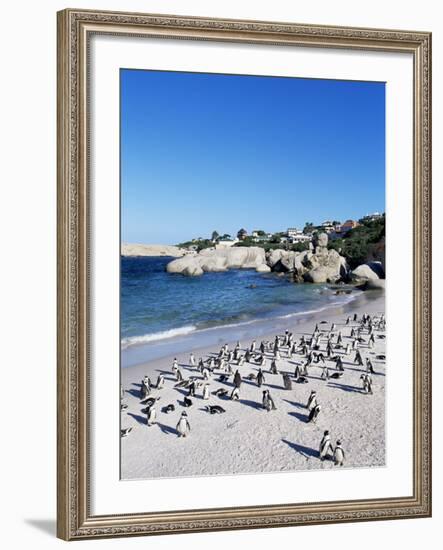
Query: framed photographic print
{"points": [[243, 274]]}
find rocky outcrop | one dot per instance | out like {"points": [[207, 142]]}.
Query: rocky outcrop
{"points": [[210, 260], [368, 272], [319, 265], [316, 265]]}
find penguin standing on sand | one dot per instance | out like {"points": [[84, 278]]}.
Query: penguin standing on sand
{"points": [[268, 402], [160, 382], [339, 364], [206, 391], [252, 348], [314, 414], [287, 382], [178, 375], [358, 358], [369, 366], [297, 372], [325, 446], [151, 415], [237, 379], [325, 373], [175, 364], [339, 455], [192, 388], [183, 428], [312, 400], [274, 369], [235, 394], [145, 389], [367, 383], [260, 378], [205, 373], [192, 360]]}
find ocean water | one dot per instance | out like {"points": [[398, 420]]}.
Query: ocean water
{"points": [[159, 308]]}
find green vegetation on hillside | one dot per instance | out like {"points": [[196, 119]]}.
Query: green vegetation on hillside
{"points": [[359, 242]]}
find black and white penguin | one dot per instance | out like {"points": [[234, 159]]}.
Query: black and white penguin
{"points": [[151, 415], [160, 382], [325, 446], [339, 455], [312, 400], [169, 408], [235, 394], [206, 391], [237, 379], [187, 402], [367, 383], [260, 378], [339, 363], [221, 392], [215, 409], [192, 360], [325, 373], [314, 414], [369, 366], [273, 369], [192, 387], [287, 382], [125, 431], [358, 358], [183, 427], [268, 402]]}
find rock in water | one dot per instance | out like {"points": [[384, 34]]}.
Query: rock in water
{"points": [[368, 272], [210, 260]]}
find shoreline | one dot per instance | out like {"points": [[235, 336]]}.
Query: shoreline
{"points": [[191, 338], [254, 441]]}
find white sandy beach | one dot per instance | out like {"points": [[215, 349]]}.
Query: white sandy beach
{"points": [[247, 438]]}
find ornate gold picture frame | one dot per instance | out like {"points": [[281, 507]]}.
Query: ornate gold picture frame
{"points": [[75, 29]]}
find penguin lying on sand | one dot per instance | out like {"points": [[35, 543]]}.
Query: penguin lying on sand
{"points": [[123, 407], [336, 375], [169, 408], [150, 401], [302, 380], [223, 378], [124, 432], [215, 409], [221, 392], [187, 402]]}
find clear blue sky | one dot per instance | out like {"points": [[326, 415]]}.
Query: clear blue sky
{"points": [[204, 152]]}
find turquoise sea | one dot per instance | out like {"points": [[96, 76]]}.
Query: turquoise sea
{"points": [[164, 313]]}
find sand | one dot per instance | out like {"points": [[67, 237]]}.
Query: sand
{"points": [[247, 438]]}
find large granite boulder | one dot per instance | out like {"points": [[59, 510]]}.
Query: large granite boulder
{"points": [[188, 265], [367, 272], [210, 260], [263, 268], [213, 263]]}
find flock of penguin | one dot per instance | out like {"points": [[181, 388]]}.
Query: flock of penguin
{"points": [[323, 347]]}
